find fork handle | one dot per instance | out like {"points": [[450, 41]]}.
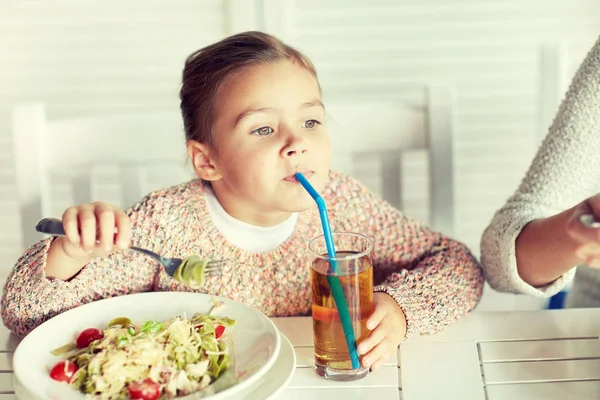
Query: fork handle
{"points": [[54, 226], [50, 226]]}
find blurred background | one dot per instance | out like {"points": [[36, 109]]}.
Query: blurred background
{"points": [[508, 63]]}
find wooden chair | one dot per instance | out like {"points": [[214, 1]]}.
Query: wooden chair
{"points": [[80, 148], [394, 149]]}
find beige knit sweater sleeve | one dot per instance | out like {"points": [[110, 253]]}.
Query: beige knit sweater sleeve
{"points": [[565, 171]]}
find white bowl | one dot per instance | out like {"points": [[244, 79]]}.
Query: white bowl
{"points": [[256, 341]]}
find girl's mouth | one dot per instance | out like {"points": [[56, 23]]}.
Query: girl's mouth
{"points": [[292, 178]]}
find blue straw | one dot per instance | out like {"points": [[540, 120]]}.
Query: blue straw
{"points": [[334, 281]]}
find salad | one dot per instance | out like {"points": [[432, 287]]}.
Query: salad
{"points": [[155, 360]]}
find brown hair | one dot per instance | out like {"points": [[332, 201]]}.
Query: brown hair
{"points": [[208, 69]]}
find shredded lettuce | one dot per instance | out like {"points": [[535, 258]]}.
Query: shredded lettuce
{"points": [[182, 355]]}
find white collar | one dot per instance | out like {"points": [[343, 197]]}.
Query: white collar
{"points": [[248, 237]]}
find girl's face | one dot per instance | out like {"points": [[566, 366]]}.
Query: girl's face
{"points": [[269, 124]]}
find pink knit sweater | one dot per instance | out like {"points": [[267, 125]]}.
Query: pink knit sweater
{"points": [[434, 279]]}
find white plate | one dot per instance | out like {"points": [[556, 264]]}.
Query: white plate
{"points": [[278, 376], [256, 339]]}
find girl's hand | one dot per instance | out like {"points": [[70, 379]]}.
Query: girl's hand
{"points": [[94, 230], [587, 240], [388, 327]]}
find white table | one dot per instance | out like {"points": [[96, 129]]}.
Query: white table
{"points": [[549, 355], [485, 356], [382, 384], [507, 355]]}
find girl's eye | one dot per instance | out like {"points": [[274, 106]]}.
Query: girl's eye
{"points": [[263, 131], [310, 124]]}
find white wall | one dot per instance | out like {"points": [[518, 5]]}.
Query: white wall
{"points": [[83, 57]]}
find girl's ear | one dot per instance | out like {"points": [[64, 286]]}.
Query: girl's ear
{"points": [[203, 161]]}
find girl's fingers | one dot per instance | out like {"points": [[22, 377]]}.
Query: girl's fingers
{"points": [[70, 225], [374, 339], [376, 318], [123, 237], [93, 227], [87, 227], [105, 217], [379, 363], [377, 356]]}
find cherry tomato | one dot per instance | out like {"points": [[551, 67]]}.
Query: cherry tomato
{"points": [[88, 336], [219, 329], [63, 371], [144, 390]]}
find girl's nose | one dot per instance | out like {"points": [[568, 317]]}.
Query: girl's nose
{"points": [[295, 145]]}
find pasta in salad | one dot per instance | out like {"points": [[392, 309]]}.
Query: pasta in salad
{"points": [[155, 360]]}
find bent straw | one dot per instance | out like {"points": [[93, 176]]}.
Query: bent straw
{"points": [[334, 281]]}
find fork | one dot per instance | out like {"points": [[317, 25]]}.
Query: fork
{"points": [[54, 226], [589, 220]]}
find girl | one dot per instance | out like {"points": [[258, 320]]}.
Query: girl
{"points": [[253, 117]]}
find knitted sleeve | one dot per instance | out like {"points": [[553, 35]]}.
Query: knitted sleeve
{"points": [[30, 298]]}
